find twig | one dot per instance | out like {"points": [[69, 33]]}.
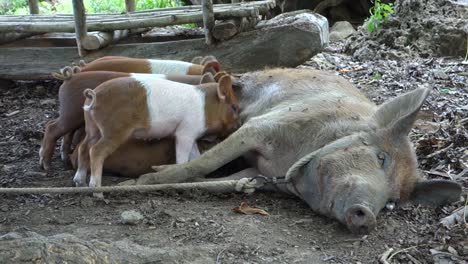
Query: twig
{"points": [[218, 258], [384, 258], [402, 250], [439, 151]]}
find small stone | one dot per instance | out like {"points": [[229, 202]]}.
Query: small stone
{"points": [[40, 89], [4, 208], [441, 75], [341, 30], [131, 217]]}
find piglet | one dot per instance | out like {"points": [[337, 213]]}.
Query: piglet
{"points": [[122, 64], [146, 107], [71, 100]]}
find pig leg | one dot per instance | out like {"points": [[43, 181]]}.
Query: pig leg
{"points": [[195, 153], [91, 137], [54, 130], [184, 146], [65, 146], [246, 173], [83, 162], [106, 145], [247, 138]]}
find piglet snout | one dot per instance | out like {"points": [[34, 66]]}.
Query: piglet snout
{"points": [[360, 219]]}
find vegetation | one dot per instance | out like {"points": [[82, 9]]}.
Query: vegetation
{"points": [[20, 7], [379, 12]]}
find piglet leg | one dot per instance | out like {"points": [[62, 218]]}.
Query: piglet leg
{"points": [[195, 153], [246, 139], [184, 148], [65, 146]]}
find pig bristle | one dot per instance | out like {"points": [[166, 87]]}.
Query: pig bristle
{"points": [[90, 94], [82, 63], [65, 73]]}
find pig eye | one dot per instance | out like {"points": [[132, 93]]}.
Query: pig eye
{"points": [[235, 108], [383, 158]]}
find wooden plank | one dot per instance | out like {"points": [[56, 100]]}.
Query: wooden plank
{"points": [[33, 7], [208, 20], [283, 43], [124, 22], [130, 6], [80, 25]]}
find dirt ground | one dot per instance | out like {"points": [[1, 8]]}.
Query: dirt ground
{"points": [[197, 227]]}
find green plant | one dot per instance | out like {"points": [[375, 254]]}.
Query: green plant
{"points": [[379, 12], [8, 7]]}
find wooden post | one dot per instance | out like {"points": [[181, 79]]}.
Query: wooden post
{"points": [[33, 7], [80, 25], [208, 20], [130, 5]]}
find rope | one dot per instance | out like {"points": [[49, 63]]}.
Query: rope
{"points": [[298, 164], [243, 185]]}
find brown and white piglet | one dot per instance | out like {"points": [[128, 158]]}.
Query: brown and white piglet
{"points": [[147, 107], [71, 101], [133, 65]]}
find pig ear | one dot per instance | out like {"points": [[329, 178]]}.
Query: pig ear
{"points": [[220, 74], [197, 60], [436, 192], [399, 114], [208, 59], [212, 66], [224, 87], [207, 78]]}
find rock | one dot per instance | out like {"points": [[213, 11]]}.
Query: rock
{"points": [[67, 248], [441, 75], [131, 217], [341, 30]]}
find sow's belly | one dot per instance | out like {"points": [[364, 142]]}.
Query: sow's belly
{"points": [[157, 130]]}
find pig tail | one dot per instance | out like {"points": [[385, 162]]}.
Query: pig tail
{"points": [[89, 94]]}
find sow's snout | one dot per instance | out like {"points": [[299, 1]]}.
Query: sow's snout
{"points": [[367, 195]]}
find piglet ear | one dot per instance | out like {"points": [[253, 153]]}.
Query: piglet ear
{"points": [[197, 60], [212, 66], [220, 74], [207, 78], [436, 192], [399, 114], [224, 87], [208, 59]]}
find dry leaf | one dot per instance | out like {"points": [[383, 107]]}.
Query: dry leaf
{"points": [[244, 208]]}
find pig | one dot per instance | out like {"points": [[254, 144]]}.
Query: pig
{"points": [[136, 156], [350, 156], [71, 100], [147, 107], [133, 65]]}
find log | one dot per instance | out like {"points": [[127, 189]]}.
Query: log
{"points": [[123, 23], [130, 6], [306, 35], [80, 25], [208, 20], [95, 41], [13, 36], [33, 7]]}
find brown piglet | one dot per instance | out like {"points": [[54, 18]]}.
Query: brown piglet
{"points": [[146, 107], [71, 101], [134, 65]]}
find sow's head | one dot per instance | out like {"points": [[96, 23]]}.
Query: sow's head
{"points": [[352, 178]]}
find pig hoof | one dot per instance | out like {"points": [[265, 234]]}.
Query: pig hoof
{"points": [[98, 196], [144, 179], [160, 167]]}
